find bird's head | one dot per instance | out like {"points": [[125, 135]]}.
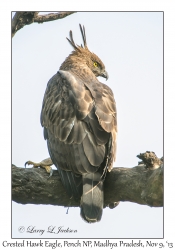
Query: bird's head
{"points": [[90, 59]]}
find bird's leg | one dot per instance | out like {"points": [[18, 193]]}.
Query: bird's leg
{"points": [[46, 164]]}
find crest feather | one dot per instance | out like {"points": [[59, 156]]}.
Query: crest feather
{"points": [[71, 40], [83, 33]]}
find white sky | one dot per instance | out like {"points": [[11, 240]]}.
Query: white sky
{"points": [[130, 45]]}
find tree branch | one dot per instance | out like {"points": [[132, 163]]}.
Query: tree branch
{"points": [[52, 16], [140, 184], [22, 18]]}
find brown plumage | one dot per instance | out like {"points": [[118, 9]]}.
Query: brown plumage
{"points": [[79, 120]]}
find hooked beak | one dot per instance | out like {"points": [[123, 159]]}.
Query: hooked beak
{"points": [[105, 74]]}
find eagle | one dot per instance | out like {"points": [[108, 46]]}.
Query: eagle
{"points": [[80, 126]]}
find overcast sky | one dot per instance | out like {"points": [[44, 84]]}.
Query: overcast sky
{"points": [[131, 46]]}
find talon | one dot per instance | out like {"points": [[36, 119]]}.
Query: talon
{"points": [[35, 165], [51, 173], [27, 163]]}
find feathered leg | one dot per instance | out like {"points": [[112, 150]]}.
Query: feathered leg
{"points": [[92, 198]]}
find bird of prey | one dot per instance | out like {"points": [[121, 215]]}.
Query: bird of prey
{"points": [[80, 125]]}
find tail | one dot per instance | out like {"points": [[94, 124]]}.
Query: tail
{"points": [[92, 197]]}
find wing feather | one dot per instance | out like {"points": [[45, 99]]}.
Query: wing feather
{"points": [[85, 162], [78, 118], [95, 153]]}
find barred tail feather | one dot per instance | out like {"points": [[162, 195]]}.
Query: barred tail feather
{"points": [[92, 198]]}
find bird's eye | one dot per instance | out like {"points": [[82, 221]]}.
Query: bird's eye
{"points": [[95, 64]]}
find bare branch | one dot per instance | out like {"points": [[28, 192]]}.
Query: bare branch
{"points": [[139, 184], [52, 16], [22, 18]]}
